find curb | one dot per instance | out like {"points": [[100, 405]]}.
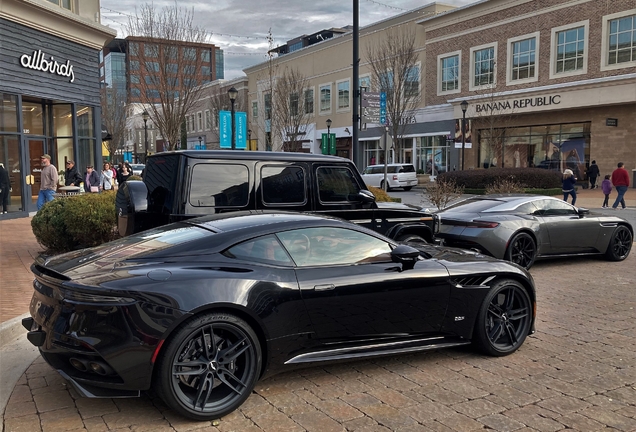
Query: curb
{"points": [[12, 330]]}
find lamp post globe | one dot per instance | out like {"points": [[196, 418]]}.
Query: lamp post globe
{"points": [[328, 136]]}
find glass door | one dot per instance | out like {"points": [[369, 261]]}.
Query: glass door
{"points": [[11, 178], [33, 178]]}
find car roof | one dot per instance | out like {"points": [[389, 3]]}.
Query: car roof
{"points": [[242, 220], [391, 164], [253, 155], [500, 202]]}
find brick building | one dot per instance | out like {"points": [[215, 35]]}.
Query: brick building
{"points": [[548, 83]]}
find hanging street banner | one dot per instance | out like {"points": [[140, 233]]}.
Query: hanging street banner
{"points": [[225, 129], [240, 130], [328, 144], [374, 107]]}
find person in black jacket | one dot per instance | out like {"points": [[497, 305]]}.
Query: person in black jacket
{"points": [[592, 173], [5, 188], [91, 180], [71, 176]]}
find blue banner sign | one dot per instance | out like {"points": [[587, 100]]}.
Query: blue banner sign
{"points": [[225, 129], [240, 119]]}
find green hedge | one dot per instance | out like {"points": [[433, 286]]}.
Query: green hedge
{"points": [[76, 222], [529, 178], [533, 191]]}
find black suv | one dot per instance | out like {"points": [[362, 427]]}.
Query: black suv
{"points": [[185, 184]]}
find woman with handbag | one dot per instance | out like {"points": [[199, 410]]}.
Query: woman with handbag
{"points": [[91, 180]]}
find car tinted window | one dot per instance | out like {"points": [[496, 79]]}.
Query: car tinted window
{"points": [[332, 246], [474, 205], [335, 184], [283, 185], [160, 179], [219, 185], [554, 207], [407, 169], [265, 249]]}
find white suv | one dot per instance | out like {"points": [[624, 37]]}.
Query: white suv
{"points": [[398, 176]]}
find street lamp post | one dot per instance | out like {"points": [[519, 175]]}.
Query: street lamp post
{"points": [[200, 147], [328, 135], [145, 116], [249, 139], [464, 106], [232, 92]]}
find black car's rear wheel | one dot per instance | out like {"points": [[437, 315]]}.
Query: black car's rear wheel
{"points": [[620, 244], [522, 250], [382, 186], [209, 367], [504, 319]]}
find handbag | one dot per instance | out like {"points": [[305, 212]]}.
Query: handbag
{"points": [[94, 189]]}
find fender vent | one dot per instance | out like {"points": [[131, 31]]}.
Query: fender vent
{"points": [[472, 281]]}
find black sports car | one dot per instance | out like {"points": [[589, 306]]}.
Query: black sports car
{"points": [[522, 228], [201, 309]]}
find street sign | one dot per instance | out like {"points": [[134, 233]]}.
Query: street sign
{"points": [[374, 107], [225, 129]]}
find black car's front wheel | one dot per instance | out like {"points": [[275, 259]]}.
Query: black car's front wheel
{"points": [[209, 367], [620, 244], [522, 250], [504, 319]]}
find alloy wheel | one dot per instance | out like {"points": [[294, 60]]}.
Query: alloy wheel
{"points": [[508, 317], [622, 243], [523, 251]]}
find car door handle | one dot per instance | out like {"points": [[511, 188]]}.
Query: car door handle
{"points": [[324, 287]]}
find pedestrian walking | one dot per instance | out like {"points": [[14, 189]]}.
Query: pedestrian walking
{"points": [[569, 183], [48, 181], [71, 176], [106, 180], [91, 180], [620, 180], [123, 173], [592, 174], [606, 186], [5, 188]]}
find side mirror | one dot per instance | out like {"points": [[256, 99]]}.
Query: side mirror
{"points": [[366, 196], [583, 211], [405, 255]]}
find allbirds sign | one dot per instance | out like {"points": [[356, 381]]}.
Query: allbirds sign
{"points": [[37, 61]]}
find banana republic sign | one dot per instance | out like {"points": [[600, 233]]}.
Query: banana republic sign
{"points": [[37, 61], [538, 101]]}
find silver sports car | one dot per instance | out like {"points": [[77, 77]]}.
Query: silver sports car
{"points": [[522, 228]]}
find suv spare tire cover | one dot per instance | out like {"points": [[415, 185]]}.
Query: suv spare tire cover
{"points": [[131, 198]]}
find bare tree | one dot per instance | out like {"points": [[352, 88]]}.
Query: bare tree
{"points": [[114, 116], [265, 94], [290, 116], [393, 62], [171, 72]]}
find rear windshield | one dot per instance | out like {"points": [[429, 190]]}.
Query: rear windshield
{"points": [[407, 168], [474, 205]]}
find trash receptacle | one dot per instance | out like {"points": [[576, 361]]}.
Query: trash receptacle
{"points": [[634, 178]]}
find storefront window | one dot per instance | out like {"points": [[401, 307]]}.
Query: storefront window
{"points": [[373, 153], [62, 120], [10, 160], [432, 155], [8, 113], [32, 118], [84, 121], [86, 154], [554, 147], [63, 148]]}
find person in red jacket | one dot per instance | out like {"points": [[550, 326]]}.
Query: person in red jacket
{"points": [[620, 180]]}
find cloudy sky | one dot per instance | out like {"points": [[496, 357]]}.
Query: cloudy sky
{"points": [[240, 27]]}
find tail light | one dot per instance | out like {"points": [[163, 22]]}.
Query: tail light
{"points": [[470, 224], [395, 177]]}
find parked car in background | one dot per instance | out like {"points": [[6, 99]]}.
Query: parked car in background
{"points": [[184, 184], [199, 310], [523, 228], [398, 176], [137, 168]]}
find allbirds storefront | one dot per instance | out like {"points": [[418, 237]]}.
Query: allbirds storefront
{"points": [[49, 102]]}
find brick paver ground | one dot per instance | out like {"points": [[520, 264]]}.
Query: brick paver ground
{"points": [[577, 373]]}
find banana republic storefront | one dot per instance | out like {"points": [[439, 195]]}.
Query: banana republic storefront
{"points": [[49, 104]]}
